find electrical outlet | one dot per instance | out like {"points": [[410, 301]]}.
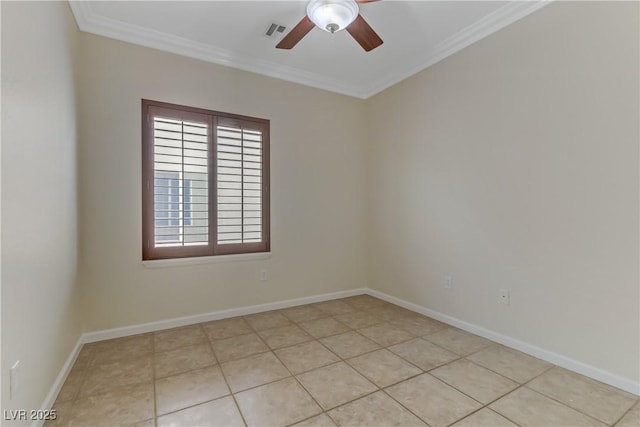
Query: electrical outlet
{"points": [[448, 282], [14, 379], [503, 296], [263, 275]]}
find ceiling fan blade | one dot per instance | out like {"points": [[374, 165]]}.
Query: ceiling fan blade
{"points": [[364, 34], [296, 34], [366, 1]]}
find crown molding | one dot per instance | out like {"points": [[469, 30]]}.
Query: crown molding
{"points": [[495, 21], [91, 22]]}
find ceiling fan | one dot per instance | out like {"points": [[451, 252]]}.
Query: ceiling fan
{"points": [[332, 16]]}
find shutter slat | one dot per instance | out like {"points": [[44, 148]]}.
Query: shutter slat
{"points": [[239, 168], [180, 191]]}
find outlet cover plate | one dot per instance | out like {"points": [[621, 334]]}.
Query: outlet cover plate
{"points": [[448, 282], [14, 379]]}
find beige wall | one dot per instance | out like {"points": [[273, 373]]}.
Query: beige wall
{"points": [[40, 322], [317, 187], [514, 164]]}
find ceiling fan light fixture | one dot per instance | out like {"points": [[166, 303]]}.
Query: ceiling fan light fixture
{"points": [[332, 15]]}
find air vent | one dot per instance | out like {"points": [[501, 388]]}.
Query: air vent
{"points": [[275, 29]]}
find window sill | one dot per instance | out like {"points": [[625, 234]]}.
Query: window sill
{"points": [[182, 262]]}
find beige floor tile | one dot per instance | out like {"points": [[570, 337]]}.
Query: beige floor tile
{"points": [[227, 328], [385, 334], [376, 409], [335, 384], [277, 404], [190, 388], [305, 357], [512, 364], [432, 400], [303, 313], [475, 381], [122, 349], [458, 341], [238, 347], [402, 312], [220, 412], [419, 325], [323, 327], [253, 371], [106, 376], [390, 312], [61, 417], [119, 406], [364, 302], [284, 336], [349, 344], [267, 320], [178, 337], [111, 382], [484, 418], [529, 408], [335, 307], [72, 384], [383, 367], [631, 418], [588, 396], [423, 354], [358, 319], [183, 359], [321, 420], [84, 357]]}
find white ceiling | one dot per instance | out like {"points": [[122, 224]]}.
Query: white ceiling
{"points": [[416, 35]]}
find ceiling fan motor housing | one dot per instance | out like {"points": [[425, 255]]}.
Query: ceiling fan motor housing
{"points": [[332, 15]]}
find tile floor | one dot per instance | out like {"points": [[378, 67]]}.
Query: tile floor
{"points": [[357, 361]]}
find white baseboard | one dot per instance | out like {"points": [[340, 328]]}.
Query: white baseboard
{"points": [[89, 337], [549, 356], [215, 315], [59, 381], [546, 355]]}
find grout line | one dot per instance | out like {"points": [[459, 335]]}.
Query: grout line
{"points": [[423, 371], [341, 360], [520, 385], [76, 396], [303, 387], [482, 405], [193, 406], [224, 376], [259, 385], [553, 366], [110, 388], [356, 310], [460, 357], [155, 394], [558, 401], [407, 409], [628, 410]]}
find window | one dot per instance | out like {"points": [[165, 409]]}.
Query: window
{"points": [[205, 182]]}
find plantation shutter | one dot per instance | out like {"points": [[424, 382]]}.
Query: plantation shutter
{"points": [[180, 182], [205, 182], [240, 184]]}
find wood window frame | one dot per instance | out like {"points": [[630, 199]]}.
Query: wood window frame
{"points": [[212, 118]]}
